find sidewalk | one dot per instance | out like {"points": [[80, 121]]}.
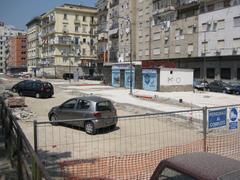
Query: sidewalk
{"points": [[6, 171]]}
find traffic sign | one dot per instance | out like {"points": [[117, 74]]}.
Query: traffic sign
{"points": [[233, 118], [217, 118]]}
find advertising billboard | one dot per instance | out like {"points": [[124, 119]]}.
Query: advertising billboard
{"points": [[128, 77], [116, 77], [149, 79]]}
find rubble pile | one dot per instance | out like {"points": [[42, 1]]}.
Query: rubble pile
{"points": [[15, 101], [12, 100], [6, 94], [23, 113]]}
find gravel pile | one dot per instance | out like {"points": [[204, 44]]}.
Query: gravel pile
{"points": [[23, 113]]}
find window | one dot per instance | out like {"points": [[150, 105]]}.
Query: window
{"points": [[69, 104], [76, 28], [166, 50], [221, 24], [238, 73], [225, 73], [177, 49], [220, 44], [83, 105], [210, 73], [190, 47], [76, 40], [84, 19], [196, 73], [84, 51], [140, 52], [65, 16], [84, 40], [84, 29], [236, 21], [146, 52], [236, 43], [156, 36], [204, 46], [156, 51], [190, 30], [168, 173], [76, 17], [204, 27], [104, 106]]}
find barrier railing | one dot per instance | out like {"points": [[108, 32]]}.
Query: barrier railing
{"points": [[20, 151]]}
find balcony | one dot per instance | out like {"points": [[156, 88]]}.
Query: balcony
{"points": [[77, 21], [165, 10], [114, 3], [188, 4]]}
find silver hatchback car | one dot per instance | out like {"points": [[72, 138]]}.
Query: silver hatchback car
{"points": [[89, 112]]}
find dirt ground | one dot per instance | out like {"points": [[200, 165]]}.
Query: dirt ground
{"points": [[132, 135]]}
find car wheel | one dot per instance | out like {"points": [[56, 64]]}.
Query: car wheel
{"points": [[20, 93], [37, 95], [113, 127], [89, 128], [53, 118]]}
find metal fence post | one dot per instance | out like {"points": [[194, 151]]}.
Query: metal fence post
{"points": [[35, 135], [19, 151], [205, 129]]}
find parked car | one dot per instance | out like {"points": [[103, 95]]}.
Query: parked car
{"points": [[236, 86], [199, 84], [220, 86], [100, 111], [197, 166], [68, 76], [34, 88]]}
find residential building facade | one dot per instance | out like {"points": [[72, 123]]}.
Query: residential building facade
{"points": [[17, 60], [6, 31], [68, 39], [102, 30], [33, 46], [196, 34]]}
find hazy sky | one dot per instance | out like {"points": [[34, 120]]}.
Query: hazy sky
{"points": [[19, 12]]}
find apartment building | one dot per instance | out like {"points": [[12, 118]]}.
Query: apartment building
{"points": [[220, 40], [102, 30], [113, 31], [17, 60], [6, 31], [33, 46], [67, 40]]}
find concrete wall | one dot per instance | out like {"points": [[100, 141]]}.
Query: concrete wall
{"points": [[175, 77], [228, 33]]}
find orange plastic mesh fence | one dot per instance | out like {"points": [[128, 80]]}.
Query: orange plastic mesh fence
{"points": [[135, 166]]}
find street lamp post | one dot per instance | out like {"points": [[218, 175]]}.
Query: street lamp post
{"points": [[130, 49]]}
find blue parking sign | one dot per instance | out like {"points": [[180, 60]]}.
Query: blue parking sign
{"points": [[233, 118], [217, 118]]}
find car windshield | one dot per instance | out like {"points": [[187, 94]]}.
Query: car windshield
{"points": [[232, 175], [225, 84], [169, 173], [104, 106]]}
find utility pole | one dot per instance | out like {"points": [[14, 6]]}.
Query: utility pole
{"points": [[150, 38], [204, 61]]}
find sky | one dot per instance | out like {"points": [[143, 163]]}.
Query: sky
{"points": [[19, 12]]}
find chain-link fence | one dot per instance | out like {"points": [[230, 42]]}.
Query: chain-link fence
{"points": [[133, 149]]}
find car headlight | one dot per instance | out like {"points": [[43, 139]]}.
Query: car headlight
{"points": [[228, 88]]}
